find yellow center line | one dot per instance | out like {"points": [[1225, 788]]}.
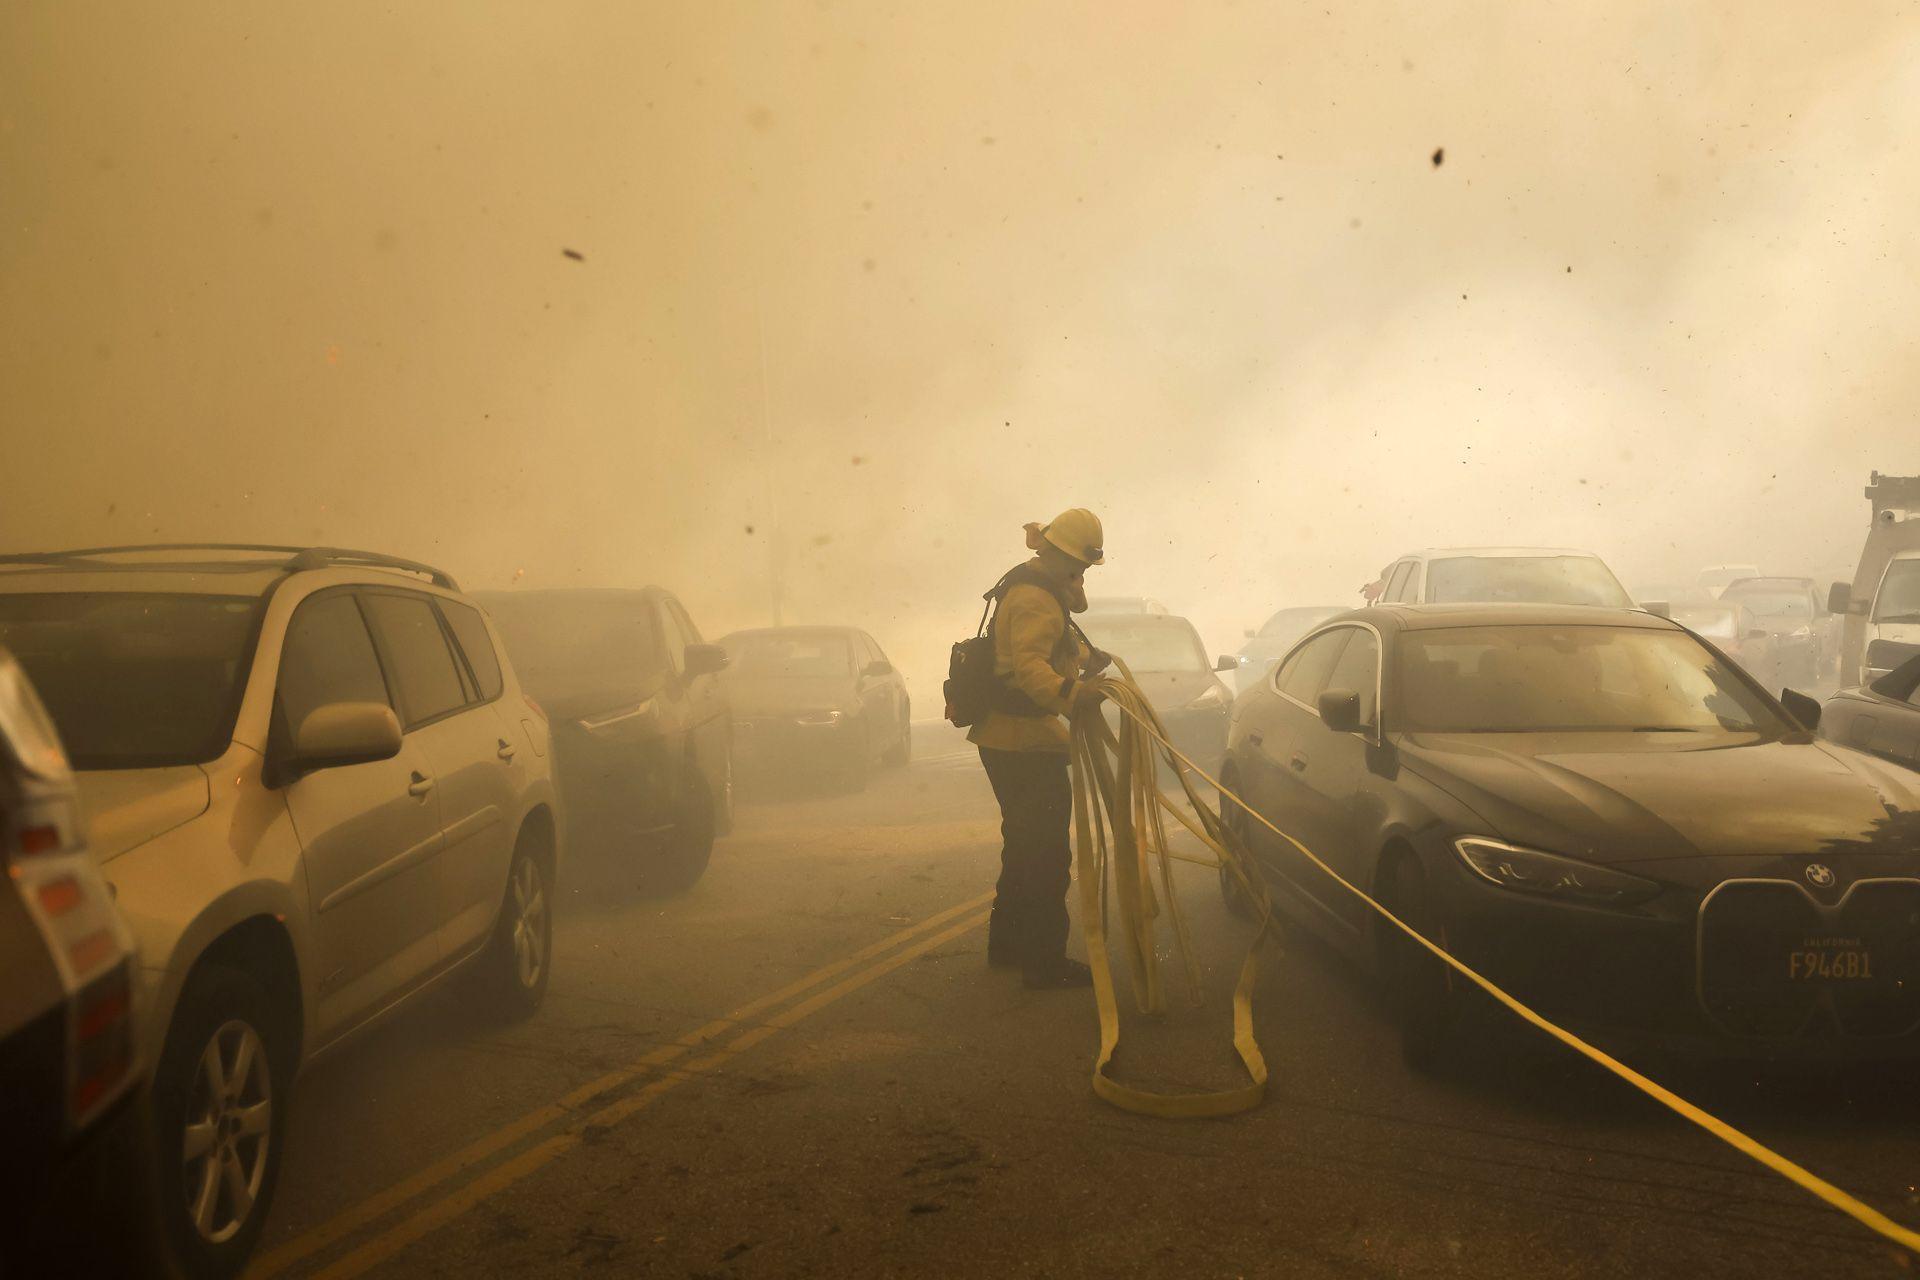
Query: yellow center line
{"points": [[440, 1213], [379, 1205]]}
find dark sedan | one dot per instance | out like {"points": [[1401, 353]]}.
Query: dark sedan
{"points": [[1883, 717], [1167, 658], [1602, 814], [816, 697]]}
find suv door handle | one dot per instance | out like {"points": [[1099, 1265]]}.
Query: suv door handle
{"points": [[420, 785], [506, 750], [1299, 762]]}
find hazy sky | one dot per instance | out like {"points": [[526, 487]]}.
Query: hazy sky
{"points": [[893, 279]]}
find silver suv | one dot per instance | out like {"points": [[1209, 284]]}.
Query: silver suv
{"points": [[317, 788]]}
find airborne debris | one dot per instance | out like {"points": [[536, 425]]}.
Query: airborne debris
{"points": [[1439, 156], [575, 254]]}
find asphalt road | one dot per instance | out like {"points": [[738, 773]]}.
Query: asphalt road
{"points": [[698, 1098]]}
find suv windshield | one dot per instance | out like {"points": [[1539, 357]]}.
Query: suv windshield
{"points": [[1545, 678], [1524, 579], [134, 681], [813, 654], [565, 648], [1899, 598], [1149, 643], [1771, 602]]}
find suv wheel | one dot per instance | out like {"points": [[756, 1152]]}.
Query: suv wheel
{"points": [[520, 956], [689, 845], [219, 1112], [1235, 818], [1424, 1001], [901, 752]]}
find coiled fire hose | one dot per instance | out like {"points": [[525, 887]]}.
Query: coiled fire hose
{"points": [[1118, 810]]}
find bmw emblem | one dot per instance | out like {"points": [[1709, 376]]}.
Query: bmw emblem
{"points": [[1819, 875]]}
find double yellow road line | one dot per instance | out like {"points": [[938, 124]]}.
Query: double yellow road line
{"points": [[443, 1197]]}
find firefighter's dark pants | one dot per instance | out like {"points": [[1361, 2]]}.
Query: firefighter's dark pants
{"points": [[1029, 923]]}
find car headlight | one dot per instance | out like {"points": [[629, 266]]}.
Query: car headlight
{"points": [[820, 717], [1549, 874], [1215, 696]]}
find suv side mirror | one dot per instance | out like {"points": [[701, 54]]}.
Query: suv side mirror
{"points": [[344, 733], [1340, 710], [878, 667], [1658, 608], [705, 659], [1802, 708], [1226, 662], [1840, 598]]}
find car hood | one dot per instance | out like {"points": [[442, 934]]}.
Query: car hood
{"points": [[125, 808], [777, 695], [1610, 799]]}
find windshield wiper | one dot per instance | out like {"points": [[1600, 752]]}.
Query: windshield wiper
{"points": [[1898, 617]]}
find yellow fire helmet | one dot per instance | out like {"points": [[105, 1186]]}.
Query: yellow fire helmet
{"points": [[1076, 532]]}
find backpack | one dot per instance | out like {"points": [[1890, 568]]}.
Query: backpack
{"points": [[972, 688]]}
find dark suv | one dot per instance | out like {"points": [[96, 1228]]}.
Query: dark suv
{"points": [[642, 735]]}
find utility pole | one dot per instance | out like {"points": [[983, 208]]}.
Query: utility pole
{"points": [[776, 549]]}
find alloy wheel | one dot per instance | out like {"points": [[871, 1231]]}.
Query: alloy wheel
{"points": [[228, 1130], [529, 899]]}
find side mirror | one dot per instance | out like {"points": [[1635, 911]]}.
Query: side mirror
{"points": [[1840, 598], [705, 659], [1658, 608], [1802, 708], [1340, 710], [878, 667], [1226, 662], [344, 733]]}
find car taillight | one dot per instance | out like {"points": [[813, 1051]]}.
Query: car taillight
{"points": [[57, 897], [102, 1041], [40, 839]]}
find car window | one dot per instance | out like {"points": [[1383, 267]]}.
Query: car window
{"points": [[1525, 579], [1305, 674], [1358, 670], [672, 637], [566, 647], [418, 660], [470, 629], [1396, 580], [1410, 589], [808, 654], [1898, 599], [1149, 641], [328, 657], [685, 621]]}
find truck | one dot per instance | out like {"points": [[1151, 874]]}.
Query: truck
{"points": [[1880, 608]]}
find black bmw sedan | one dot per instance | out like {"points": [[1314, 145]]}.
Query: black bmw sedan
{"points": [[1598, 811]]}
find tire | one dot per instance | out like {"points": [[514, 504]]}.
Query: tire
{"points": [[519, 957], [1238, 904], [901, 752], [1426, 1006], [723, 810], [212, 1203], [690, 844], [859, 765]]}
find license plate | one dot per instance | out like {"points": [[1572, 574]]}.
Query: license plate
{"points": [[1830, 960]]}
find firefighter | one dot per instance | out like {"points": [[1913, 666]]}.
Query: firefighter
{"points": [[1040, 665]]}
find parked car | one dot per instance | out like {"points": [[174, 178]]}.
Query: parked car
{"points": [[316, 790], [1275, 636], [1880, 608], [816, 697], [643, 740], [1598, 812], [1716, 578], [1125, 604], [1169, 661], [1730, 628], [1494, 575], [1882, 717], [68, 1050], [1805, 634]]}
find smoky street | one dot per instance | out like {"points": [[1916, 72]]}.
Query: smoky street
{"points": [[935, 1118]]}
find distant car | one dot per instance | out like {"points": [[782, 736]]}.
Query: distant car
{"points": [[806, 697], [1805, 634], [1501, 575], [1717, 578], [1167, 658], [1730, 628], [317, 791], [68, 1051], [1275, 636], [1124, 604], [643, 741], [1597, 812], [1882, 717]]}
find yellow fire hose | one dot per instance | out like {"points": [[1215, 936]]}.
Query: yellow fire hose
{"points": [[1124, 832]]}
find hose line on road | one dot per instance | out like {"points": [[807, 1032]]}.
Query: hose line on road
{"points": [[1120, 772]]}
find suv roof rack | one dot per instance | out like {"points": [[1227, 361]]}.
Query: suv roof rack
{"points": [[298, 558]]}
